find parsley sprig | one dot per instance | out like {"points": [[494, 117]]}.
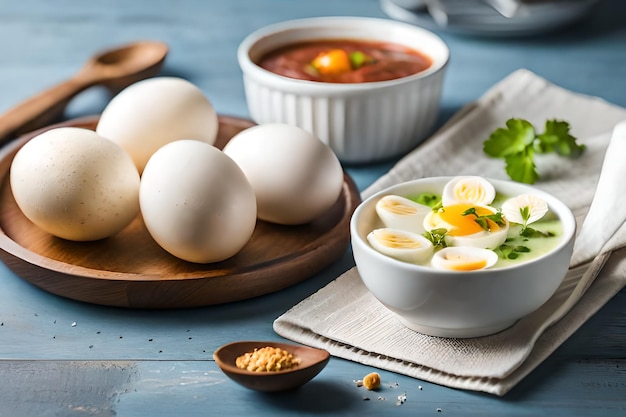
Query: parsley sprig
{"points": [[518, 143]]}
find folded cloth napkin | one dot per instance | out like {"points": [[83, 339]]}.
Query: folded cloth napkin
{"points": [[344, 318]]}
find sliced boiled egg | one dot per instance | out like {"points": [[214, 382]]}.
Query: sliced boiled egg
{"points": [[464, 230], [400, 244], [524, 209], [397, 212], [469, 189], [461, 258]]}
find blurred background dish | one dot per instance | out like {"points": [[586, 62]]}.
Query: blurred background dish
{"points": [[361, 121], [489, 17]]}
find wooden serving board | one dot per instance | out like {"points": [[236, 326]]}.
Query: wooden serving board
{"points": [[131, 270]]}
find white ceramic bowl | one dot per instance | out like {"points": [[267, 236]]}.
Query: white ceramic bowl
{"points": [[361, 122], [459, 304]]}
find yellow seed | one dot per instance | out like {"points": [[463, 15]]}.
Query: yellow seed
{"points": [[371, 381]]}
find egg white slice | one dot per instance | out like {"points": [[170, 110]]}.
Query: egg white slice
{"points": [[433, 220], [469, 189], [401, 245], [524, 209], [461, 258], [482, 240], [397, 212]]}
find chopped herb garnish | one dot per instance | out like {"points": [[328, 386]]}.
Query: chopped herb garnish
{"points": [[358, 59], [529, 232], [511, 252], [437, 237], [483, 220]]}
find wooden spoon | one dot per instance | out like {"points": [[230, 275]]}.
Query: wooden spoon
{"points": [[115, 69], [312, 361]]}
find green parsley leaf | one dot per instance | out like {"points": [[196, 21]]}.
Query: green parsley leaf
{"points": [[518, 143], [557, 138], [518, 135], [521, 167]]}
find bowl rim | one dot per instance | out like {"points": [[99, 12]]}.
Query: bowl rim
{"points": [[249, 67], [564, 213]]}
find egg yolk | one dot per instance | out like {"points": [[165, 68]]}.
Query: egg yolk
{"points": [[465, 225]]}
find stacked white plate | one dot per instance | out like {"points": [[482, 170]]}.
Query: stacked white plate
{"points": [[489, 17]]}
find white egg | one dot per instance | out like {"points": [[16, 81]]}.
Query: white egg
{"points": [[151, 113], [295, 176], [196, 203], [400, 244], [463, 230], [460, 258], [75, 184], [470, 189], [399, 212]]}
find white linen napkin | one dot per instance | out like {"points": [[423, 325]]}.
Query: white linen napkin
{"points": [[349, 322]]}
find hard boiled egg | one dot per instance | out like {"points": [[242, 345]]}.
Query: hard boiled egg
{"points": [[468, 189], [295, 176], [399, 212], [75, 184], [460, 258], [463, 229], [400, 244], [196, 202], [151, 113]]}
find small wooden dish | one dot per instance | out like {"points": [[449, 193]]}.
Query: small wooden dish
{"points": [[313, 360], [131, 270]]}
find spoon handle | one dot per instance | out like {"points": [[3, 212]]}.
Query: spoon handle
{"points": [[39, 110]]}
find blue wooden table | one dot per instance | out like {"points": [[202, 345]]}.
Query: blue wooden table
{"points": [[60, 357]]}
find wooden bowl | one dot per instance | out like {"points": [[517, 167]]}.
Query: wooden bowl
{"points": [[313, 360], [131, 270]]}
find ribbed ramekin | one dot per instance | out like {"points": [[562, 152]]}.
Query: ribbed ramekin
{"points": [[362, 122]]}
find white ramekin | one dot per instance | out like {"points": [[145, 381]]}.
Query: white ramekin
{"points": [[361, 122]]}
